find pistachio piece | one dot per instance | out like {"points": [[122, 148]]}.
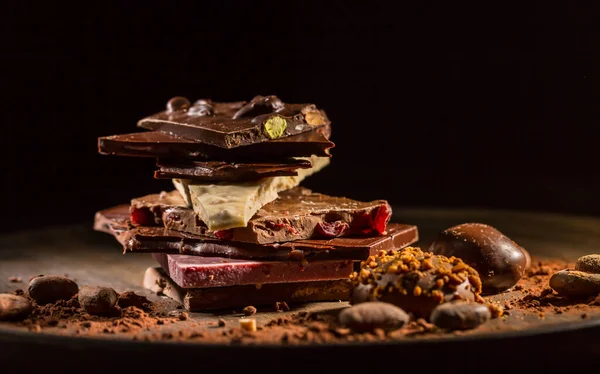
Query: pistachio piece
{"points": [[275, 127]]}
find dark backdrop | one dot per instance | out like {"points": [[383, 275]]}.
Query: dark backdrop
{"points": [[431, 105]]}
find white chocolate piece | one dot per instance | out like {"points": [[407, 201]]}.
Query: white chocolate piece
{"points": [[224, 206]]}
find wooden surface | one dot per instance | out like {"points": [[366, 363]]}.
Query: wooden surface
{"points": [[92, 258]]}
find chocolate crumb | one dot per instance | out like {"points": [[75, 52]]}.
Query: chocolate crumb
{"points": [[249, 310], [222, 322], [183, 316]]}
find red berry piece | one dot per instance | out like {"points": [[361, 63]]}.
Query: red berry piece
{"points": [[224, 234], [332, 229], [142, 217], [382, 216]]}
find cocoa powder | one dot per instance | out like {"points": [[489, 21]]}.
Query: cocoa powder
{"points": [[528, 304]]}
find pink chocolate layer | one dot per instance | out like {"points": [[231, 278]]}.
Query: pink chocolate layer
{"points": [[204, 272]]}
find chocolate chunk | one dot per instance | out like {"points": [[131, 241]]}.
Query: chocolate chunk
{"points": [[202, 299], [160, 145], [13, 307], [499, 261], [460, 315], [414, 280], [296, 214], [588, 264], [367, 317], [203, 272], [230, 125], [45, 289], [222, 171], [575, 283], [157, 239], [98, 300]]}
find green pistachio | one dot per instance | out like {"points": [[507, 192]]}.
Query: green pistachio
{"points": [[275, 127]]}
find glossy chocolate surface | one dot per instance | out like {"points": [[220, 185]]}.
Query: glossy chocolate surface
{"points": [[230, 125], [499, 260], [156, 144]]}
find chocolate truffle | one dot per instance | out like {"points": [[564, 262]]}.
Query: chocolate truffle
{"points": [[414, 280], [499, 261]]}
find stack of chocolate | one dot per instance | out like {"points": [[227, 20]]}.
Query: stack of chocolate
{"points": [[237, 229]]}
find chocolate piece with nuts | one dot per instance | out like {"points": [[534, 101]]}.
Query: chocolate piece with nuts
{"points": [[230, 125], [414, 280]]}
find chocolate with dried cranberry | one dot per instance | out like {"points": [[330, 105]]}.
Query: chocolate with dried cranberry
{"points": [[414, 280], [500, 261], [296, 214]]}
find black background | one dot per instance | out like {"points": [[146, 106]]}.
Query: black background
{"points": [[432, 105]]}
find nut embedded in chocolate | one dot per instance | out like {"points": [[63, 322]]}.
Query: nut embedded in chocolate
{"points": [[98, 300], [45, 289], [414, 280], [201, 108], [499, 261], [177, 103]]}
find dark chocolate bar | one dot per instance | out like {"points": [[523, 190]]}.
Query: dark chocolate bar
{"points": [[222, 171], [160, 145], [214, 298], [203, 272], [230, 125], [142, 239]]}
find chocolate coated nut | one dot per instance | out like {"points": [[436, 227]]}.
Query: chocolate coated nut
{"points": [[499, 261], [177, 103], [201, 108], [460, 315], [45, 289], [575, 283], [259, 105], [414, 280], [98, 300], [588, 264], [373, 315], [13, 307]]}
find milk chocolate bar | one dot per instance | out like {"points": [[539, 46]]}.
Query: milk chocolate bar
{"points": [[214, 298], [222, 171], [230, 125], [202, 272], [160, 145], [296, 214], [142, 239]]}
